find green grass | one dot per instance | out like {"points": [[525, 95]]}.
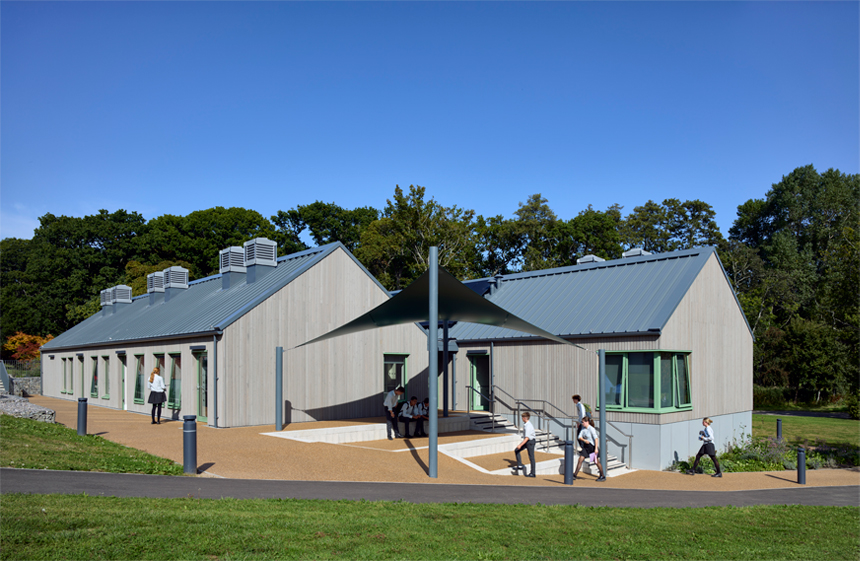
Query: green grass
{"points": [[26, 443], [812, 429], [83, 527]]}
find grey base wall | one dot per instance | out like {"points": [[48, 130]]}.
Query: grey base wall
{"points": [[656, 447]]}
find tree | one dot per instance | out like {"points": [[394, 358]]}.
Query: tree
{"points": [[395, 248], [25, 347], [671, 226]]}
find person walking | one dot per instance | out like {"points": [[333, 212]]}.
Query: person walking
{"points": [[706, 435], [590, 443], [579, 407], [156, 394], [390, 406], [528, 443]]}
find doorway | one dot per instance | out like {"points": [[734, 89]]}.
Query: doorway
{"points": [[479, 369], [202, 387]]}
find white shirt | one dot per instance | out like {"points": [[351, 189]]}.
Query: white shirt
{"points": [[390, 400], [580, 410], [409, 411], [529, 431], [589, 434], [157, 384], [423, 409], [706, 434]]}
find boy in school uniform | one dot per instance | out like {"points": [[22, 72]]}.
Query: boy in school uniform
{"points": [[423, 415], [529, 444], [408, 414], [390, 406]]}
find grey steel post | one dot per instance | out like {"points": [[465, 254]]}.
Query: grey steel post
{"points": [[279, 388], [779, 429], [445, 369], [801, 466], [601, 388], [189, 444], [433, 340], [82, 416], [568, 462]]}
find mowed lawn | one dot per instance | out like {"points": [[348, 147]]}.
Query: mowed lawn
{"points": [[798, 429], [85, 527]]}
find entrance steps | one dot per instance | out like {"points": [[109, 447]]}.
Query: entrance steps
{"points": [[365, 432]]}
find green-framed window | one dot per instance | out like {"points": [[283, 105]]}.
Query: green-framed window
{"points": [[138, 379], [395, 372], [94, 384], [174, 395], [648, 381], [106, 375], [65, 376]]}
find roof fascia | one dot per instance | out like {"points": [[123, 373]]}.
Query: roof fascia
{"points": [[528, 338], [125, 342]]}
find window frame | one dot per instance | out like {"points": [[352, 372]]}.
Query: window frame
{"points": [[657, 381], [138, 379], [174, 391], [94, 379], [106, 363], [404, 378]]}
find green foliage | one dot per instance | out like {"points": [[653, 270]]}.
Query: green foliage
{"points": [[670, 226], [84, 527], [852, 401], [773, 397], [36, 445]]}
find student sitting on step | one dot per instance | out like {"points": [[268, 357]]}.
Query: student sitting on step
{"points": [[408, 414]]}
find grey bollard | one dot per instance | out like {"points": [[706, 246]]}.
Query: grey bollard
{"points": [[189, 443], [779, 429], [568, 462], [801, 466], [82, 416]]}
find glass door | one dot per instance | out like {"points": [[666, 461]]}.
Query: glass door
{"points": [[479, 367]]}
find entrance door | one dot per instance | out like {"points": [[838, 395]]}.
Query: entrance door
{"points": [[122, 371], [479, 367], [394, 370], [202, 387]]}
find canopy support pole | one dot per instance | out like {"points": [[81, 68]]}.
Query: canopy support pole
{"points": [[433, 347], [601, 389], [279, 388], [445, 368]]}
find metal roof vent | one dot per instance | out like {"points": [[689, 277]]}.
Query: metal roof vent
{"points": [[232, 260], [175, 277], [104, 297], [120, 294], [155, 282], [589, 259], [261, 251], [635, 252]]}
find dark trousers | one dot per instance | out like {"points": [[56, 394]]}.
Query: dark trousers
{"points": [[406, 421], [530, 446], [710, 450], [419, 427], [156, 407], [391, 422]]}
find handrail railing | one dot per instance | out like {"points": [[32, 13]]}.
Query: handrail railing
{"points": [[4, 377]]}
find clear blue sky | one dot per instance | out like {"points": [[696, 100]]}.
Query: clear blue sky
{"points": [[163, 107]]}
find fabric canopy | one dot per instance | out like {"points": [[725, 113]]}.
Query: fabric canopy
{"points": [[457, 302]]}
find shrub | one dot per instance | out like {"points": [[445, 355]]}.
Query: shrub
{"points": [[852, 400], [769, 398]]}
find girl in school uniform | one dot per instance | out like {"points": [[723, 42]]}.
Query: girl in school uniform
{"points": [[706, 435], [156, 394]]}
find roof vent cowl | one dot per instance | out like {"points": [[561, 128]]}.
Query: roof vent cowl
{"points": [[635, 252], [590, 259], [261, 257]]}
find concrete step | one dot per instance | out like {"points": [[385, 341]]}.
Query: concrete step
{"points": [[556, 467], [365, 432]]}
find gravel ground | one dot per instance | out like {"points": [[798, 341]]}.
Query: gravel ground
{"points": [[244, 453]]}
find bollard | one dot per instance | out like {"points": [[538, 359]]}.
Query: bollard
{"points": [[568, 462], [189, 443], [779, 429], [82, 416], [801, 466]]}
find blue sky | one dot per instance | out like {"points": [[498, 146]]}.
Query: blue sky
{"points": [[168, 108]]}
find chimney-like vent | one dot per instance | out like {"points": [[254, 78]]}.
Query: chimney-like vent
{"points": [[175, 277], [104, 297], [635, 252], [261, 251], [232, 260], [589, 259], [155, 282], [120, 294]]}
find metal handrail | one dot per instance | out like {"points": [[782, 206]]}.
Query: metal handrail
{"points": [[4, 377], [629, 441], [490, 400]]}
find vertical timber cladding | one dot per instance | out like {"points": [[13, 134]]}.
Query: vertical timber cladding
{"points": [[335, 379], [709, 322]]}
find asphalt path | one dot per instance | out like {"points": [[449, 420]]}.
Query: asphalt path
{"points": [[165, 486]]}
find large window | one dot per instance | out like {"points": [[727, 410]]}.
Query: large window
{"points": [[174, 395], [106, 374], [651, 381], [138, 379], [394, 372]]}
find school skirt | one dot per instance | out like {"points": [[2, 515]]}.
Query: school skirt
{"points": [[157, 397]]}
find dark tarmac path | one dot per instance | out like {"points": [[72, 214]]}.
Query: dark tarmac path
{"points": [[162, 486]]}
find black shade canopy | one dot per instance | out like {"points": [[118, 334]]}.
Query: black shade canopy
{"points": [[456, 303]]}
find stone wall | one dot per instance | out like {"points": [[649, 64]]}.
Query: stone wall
{"points": [[24, 387], [21, 407]]}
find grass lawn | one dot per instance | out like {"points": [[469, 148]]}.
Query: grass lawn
{"points": [[799, 429], [32, 444], [83, 527]]}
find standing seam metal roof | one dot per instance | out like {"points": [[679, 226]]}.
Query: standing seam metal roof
{"points": [[623, 296], [203, 308]]}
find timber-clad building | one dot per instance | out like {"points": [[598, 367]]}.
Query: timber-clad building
{"points": [[678, 347]]}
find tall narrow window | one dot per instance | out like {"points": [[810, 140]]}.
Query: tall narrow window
{"points": [[138, 379], [640, 380], [106, 375], [63, 361], [615, 379], [394, 372], [94, 386], [667, 393], [174, 396], [682, 373]]}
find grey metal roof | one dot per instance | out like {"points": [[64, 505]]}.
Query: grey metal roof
{"points": [[633, 295], [203, 308]]}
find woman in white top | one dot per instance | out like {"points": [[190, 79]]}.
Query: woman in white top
{"points": [[156, 394], [706, 435]]}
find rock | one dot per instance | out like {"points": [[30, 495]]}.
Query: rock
{"points": [[21, 407]]}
